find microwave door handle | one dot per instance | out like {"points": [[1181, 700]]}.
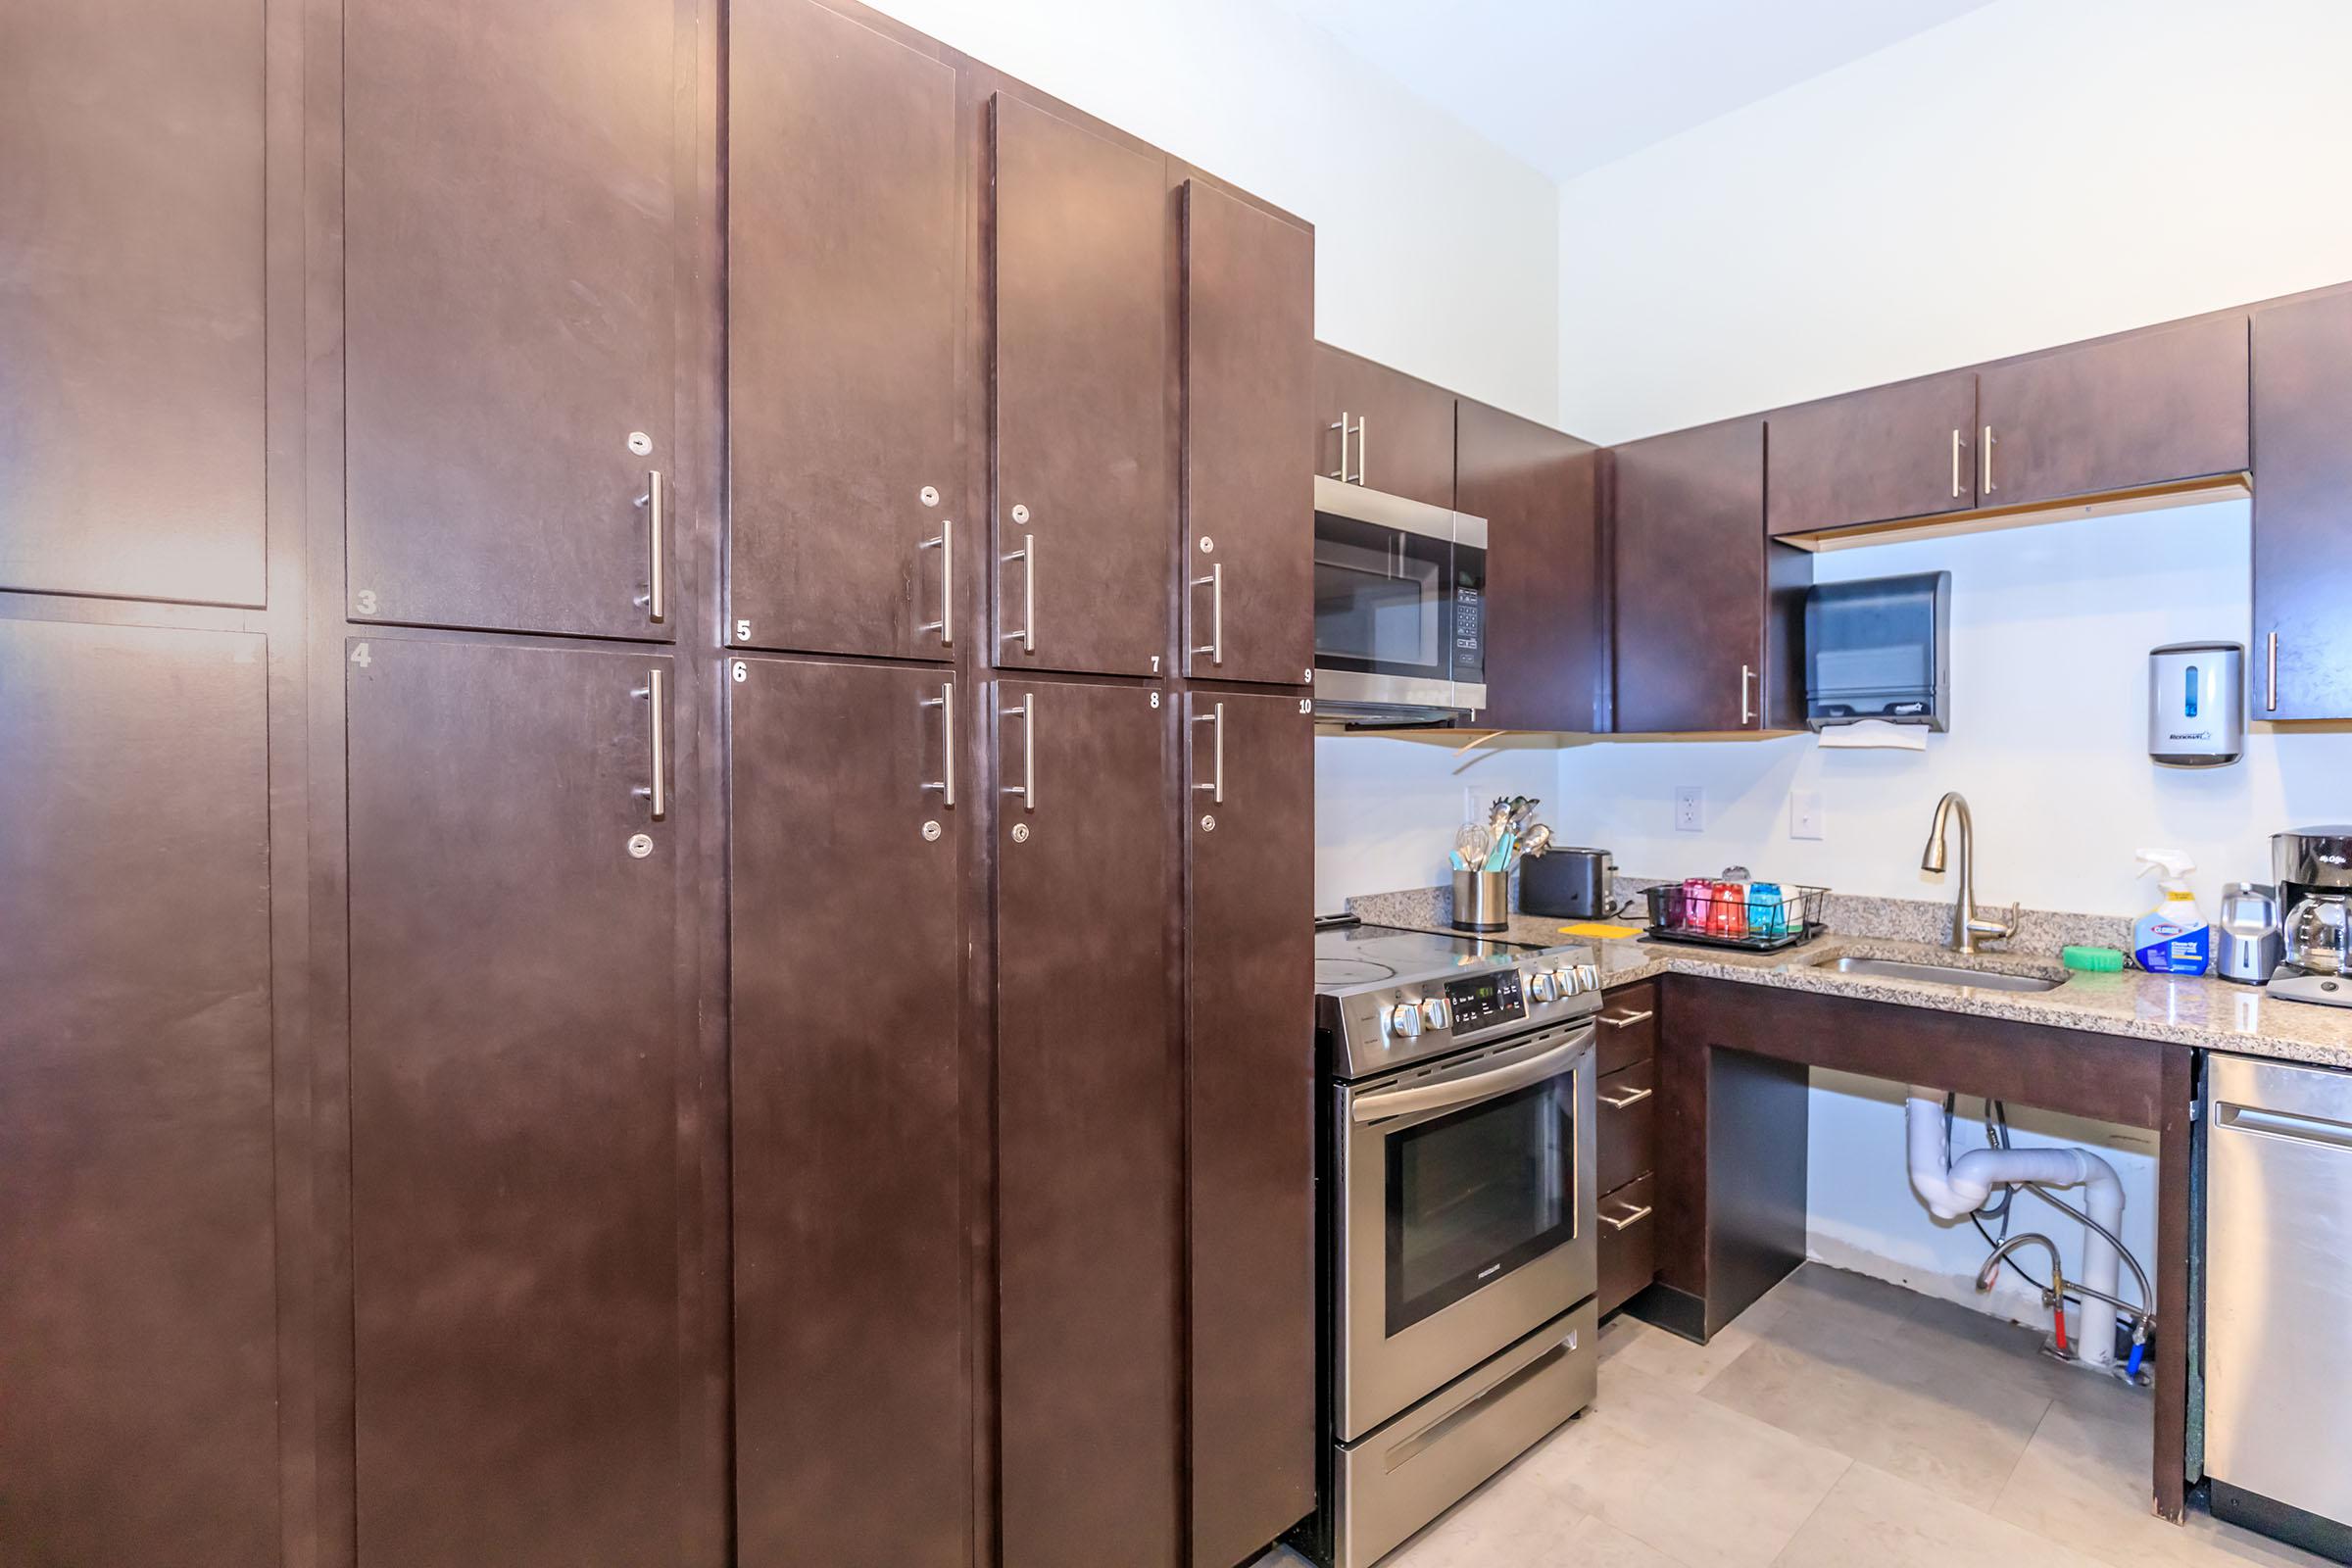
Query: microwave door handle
{"points": [[1383, 1104]]}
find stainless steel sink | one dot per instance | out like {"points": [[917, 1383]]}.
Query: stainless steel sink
{"points": [[1942, 974]]}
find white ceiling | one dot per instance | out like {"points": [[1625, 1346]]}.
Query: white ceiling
{"points": [[1571, 84]]}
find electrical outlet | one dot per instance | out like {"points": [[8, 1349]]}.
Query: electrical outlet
{"points": [[1690, 808], [1804, 814]]}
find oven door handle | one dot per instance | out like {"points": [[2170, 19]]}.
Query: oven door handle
{"points": [[1383, 1104]]}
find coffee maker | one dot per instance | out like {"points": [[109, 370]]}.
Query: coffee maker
{"points": [[2313, 866]]}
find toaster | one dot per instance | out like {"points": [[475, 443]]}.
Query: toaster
{"points": [[1569, 883]]}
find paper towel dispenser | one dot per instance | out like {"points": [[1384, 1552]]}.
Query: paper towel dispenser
{"points": [[1881, 648]]}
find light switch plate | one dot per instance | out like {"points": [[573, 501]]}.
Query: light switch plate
{"points": [[1690, 808], [1804, 814]]}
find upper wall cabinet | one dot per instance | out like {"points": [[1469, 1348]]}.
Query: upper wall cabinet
{"points": [[1539, 492], [1082, 504], [2151, 409], [1710, 613], [509, 278], [845, 473], [131, 301], [1382, 428], [1894, 452], [1249, 493], [2303, 509]]}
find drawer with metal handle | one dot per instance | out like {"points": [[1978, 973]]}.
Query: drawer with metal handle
{"points": [[1625, 1109], [1628, 1246], [1629, 1025]]}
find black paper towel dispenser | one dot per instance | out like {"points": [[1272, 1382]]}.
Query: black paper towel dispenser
{"points": [[1881, 648]]}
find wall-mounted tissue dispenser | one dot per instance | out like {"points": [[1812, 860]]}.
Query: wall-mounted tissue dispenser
{"points": [[1879, 649]]}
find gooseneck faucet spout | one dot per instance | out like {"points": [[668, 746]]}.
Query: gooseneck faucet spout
{"points": [[1967, 927]]}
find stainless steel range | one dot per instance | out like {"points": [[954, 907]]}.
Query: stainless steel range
{"points": [[1457, 1218]]}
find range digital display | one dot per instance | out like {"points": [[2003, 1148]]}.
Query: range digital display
{"points": [[1489, 998]]}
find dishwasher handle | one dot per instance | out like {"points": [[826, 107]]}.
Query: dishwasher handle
{"points": [[2282, 1124]]}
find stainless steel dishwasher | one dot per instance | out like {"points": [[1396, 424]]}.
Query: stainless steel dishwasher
{"points": [[2278, 1299]]}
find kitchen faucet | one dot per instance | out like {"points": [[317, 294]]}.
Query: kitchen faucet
{"points": [[1966, 927]]}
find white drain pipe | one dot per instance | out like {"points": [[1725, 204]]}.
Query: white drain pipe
{"points": [[1955, 1189]]}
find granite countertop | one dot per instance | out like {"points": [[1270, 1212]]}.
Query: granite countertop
{"points": [[2187, 1011]]}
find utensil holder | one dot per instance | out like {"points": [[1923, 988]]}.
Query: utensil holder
{"points": [[1481, 901]]}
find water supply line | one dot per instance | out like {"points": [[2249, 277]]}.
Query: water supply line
{"points": [[1956, 1189]]}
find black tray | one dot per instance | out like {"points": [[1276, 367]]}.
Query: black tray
{"points": [[1704, 939]]}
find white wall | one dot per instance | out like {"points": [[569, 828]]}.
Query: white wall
{"points": [[1385, 805], [2031, 173], [1435, 251]]}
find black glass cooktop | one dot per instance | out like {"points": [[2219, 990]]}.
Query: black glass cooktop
{"points": [[1350, 955]]}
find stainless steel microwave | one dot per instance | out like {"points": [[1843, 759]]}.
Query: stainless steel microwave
{"points": [[1400, 606]]}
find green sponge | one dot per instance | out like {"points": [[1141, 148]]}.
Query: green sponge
{"points": [[2094, 960]]}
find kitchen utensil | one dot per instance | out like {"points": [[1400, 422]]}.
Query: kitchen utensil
{"points": [[1471, 842], [2319, 934], [1537, 843], [1571, 883], [1498, 858], [1481, 901], [2248, 943]]}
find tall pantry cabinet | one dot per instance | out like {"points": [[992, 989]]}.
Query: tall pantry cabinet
{"points": [[662, 844]]}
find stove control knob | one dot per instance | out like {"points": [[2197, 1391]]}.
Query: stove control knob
{"points": [[1589, 974], [1404, 1019], [1543, 986], [1436, 1013], [1572, 980]]}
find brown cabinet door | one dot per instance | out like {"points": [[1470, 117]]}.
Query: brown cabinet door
{"points": [[2146, 410], [851, 1364], [138, 1342], [509, 305], [1249, 1045], [2303, 509], [845, 293], [1088, 1155], [1691, 579], [513, 1116], [1547, 636], [1082, 516], [1902, 451], [1249, 475], [1399, 430], [131, 303]]}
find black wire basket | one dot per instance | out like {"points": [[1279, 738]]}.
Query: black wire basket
{"points": [[1746, 916]]}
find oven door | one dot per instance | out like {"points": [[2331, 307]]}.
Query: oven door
{"points": [[1383, 600], [1466, 1215]]}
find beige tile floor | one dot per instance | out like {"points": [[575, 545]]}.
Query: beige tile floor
{"points": [[1839, 1421]]}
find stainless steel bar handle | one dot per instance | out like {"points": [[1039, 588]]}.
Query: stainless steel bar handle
{"points": [[1642, 1211], [1363, 448], [656, 593], [1027, 556], [1989, 487], [1027, 788], [1214, 582], [1341, 472], [1747, 711], [1620, 1101], [945, 702], [945, 544], [1216, 774], [1625, 1020], [1955, 464], [656, 791], [1382, 1103], [2271, 702]]}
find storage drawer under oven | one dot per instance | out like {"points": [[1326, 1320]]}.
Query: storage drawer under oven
{"points": [[1629, 1242], [1625, 1110]]}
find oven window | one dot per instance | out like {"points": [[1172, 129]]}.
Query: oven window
{"points": [[1474, 1195], [1379, 597]]}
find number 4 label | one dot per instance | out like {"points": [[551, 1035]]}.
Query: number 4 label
{"points": [[360, 656]]}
